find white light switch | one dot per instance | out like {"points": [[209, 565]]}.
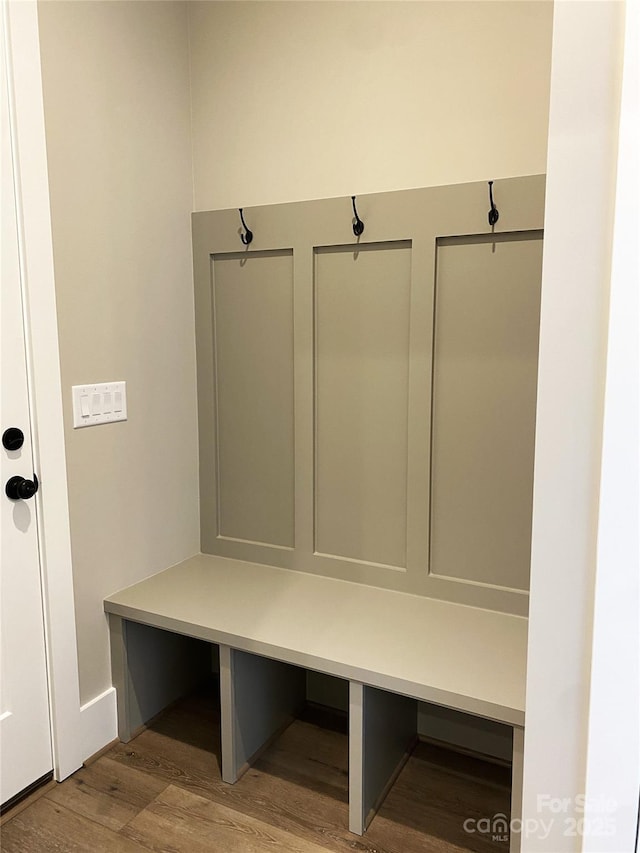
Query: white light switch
{"points": [[99, 404]]}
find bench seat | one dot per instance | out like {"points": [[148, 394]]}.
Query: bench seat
{"points": [[461, 657]]}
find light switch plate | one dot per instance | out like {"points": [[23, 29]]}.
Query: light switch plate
{"points": [[103, 403]]}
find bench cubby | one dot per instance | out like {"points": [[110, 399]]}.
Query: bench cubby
{"points": [[259, 698], [152, 668]]}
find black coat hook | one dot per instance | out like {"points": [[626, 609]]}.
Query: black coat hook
{"points": [[358, 225], [493, 213], [247, 237]]}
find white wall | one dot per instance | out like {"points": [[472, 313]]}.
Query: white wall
{"points": [[613, 763], [116, 96], [579, 220], [311, 100]]}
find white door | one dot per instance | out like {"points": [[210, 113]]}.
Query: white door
{"points": [[25, 735]]}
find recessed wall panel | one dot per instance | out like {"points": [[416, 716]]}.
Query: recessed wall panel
{"points": [[253, 346], [487, 316], [362, 300]]}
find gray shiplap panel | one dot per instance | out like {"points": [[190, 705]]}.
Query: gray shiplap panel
{"points": [[362, 300], [253, 334], [484, 403]]}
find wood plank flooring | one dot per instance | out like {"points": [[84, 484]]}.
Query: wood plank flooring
{"points": [[163, 792]]}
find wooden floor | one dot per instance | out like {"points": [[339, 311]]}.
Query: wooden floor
{"points": [[163, 792]]}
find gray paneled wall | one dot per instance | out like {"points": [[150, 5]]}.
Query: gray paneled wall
{"points": [[367, 405]]}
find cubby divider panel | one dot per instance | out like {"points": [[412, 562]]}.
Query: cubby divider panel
{"points": [[383, 730]]}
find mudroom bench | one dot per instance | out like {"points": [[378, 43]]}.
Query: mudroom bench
{"points": [[272, 625]]}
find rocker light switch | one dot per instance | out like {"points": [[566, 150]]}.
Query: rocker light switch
{"points": [[99, 404]]}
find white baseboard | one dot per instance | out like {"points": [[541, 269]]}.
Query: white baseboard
{"points": [[98, 723]]}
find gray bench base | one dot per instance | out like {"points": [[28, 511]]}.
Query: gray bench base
{"points": [[272, 625], [259, 698]]}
